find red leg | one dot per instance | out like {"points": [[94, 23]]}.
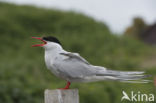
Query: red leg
{"points": [[67, 85]]}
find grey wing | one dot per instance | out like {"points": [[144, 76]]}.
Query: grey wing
{"points": [[75, 56], [74, 66]]}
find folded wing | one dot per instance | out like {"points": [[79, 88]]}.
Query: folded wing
{"points": [[75, 66]]}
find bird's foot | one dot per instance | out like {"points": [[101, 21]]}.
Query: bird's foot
{"points": [[66, 87], [63, 88]]}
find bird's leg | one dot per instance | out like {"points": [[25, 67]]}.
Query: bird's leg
{"points": [[67, 85]]}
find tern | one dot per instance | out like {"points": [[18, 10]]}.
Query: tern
{"points": [[74, 68]]}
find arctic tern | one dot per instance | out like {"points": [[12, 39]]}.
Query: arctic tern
{"points": [[74, 68]]}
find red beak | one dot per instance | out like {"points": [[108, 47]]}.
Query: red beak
{"points": [[39, 44]]}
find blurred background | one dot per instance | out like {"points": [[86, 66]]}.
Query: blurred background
{"points": [[120, 35]]}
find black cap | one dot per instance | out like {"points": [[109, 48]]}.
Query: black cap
{"points": [[51, 39]]}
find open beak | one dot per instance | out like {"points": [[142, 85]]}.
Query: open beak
{"points": [[44, 42]]}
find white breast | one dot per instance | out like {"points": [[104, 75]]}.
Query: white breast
{"points": [[50, 58]]}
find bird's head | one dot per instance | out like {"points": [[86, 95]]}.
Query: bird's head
{"points": [[49, 42]]}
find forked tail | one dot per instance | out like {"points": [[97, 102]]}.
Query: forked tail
{"points": [[130, 77]]}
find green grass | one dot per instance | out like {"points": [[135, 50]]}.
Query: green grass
{"points": [[23, 74]]}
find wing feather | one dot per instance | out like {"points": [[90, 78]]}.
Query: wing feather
{"points": [[75, 56], [74, 66]]}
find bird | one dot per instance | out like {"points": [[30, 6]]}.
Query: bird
{"points": [[125, 96], [74, 68]]}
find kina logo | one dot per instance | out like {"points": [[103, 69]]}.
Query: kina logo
{"points": [[137, 96]]}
